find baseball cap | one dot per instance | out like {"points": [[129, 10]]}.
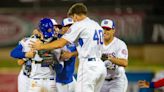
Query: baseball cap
{"points": [[67, 21], [55, 23], [107, 23]]}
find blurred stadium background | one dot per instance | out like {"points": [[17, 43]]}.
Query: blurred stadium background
{"points": [[140, 23]]}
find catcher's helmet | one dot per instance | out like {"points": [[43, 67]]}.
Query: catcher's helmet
{"points": [[46, 27]]}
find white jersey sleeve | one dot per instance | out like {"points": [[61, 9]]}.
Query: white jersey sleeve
{"points": [[73, 33], [25, 43], [122, 51]]}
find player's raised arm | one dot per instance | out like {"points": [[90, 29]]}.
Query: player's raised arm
{"points": [[53, 45]]}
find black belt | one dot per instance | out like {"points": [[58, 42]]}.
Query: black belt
{"points": [[43, 78], [91, 59], [38, 62], [110, 79]]}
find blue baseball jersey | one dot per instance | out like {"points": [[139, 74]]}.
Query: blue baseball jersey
{"points": [[65, 74]]}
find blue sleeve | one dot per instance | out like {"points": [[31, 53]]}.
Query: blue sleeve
{"points": [[17, 52], [58, 68], [73, 48]]}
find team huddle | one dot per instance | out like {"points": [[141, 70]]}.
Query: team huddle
{"points": [[48, 56]]}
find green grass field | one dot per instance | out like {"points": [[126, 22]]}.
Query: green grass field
{"points": [[8, 63], [134, 65]]}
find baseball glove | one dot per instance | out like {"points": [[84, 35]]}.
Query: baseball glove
{"points": [[104, 57]]}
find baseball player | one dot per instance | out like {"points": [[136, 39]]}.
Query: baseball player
{"points": [[22, 51], [42, 75], [146, 84], [91, 71], [65, 81], [115, 57]]}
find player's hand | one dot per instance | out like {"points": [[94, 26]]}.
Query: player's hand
{"points": [[37, 45], [66, 55], [36, 32], [20, 61], [30, 54], [143, 84]]}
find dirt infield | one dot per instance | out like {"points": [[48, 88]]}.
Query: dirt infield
{"points": [[8, 79], [8, 82]]}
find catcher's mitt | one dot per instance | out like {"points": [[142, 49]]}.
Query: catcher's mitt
{"points": [[104, 57]]}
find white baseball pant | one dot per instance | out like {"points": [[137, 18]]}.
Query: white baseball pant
{"points": [[42, 85], [23, 82], [91, 75], [116, 85], [70, 87]]}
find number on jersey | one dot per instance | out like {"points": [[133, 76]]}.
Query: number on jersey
{"points": [[98, 36]]}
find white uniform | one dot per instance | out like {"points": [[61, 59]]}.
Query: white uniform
{"points": [[115, 80], [42, 77], [91, 71], [23, 79], [23, 82]]}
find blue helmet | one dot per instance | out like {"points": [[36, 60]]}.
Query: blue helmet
{"points": [[46, 27]]}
